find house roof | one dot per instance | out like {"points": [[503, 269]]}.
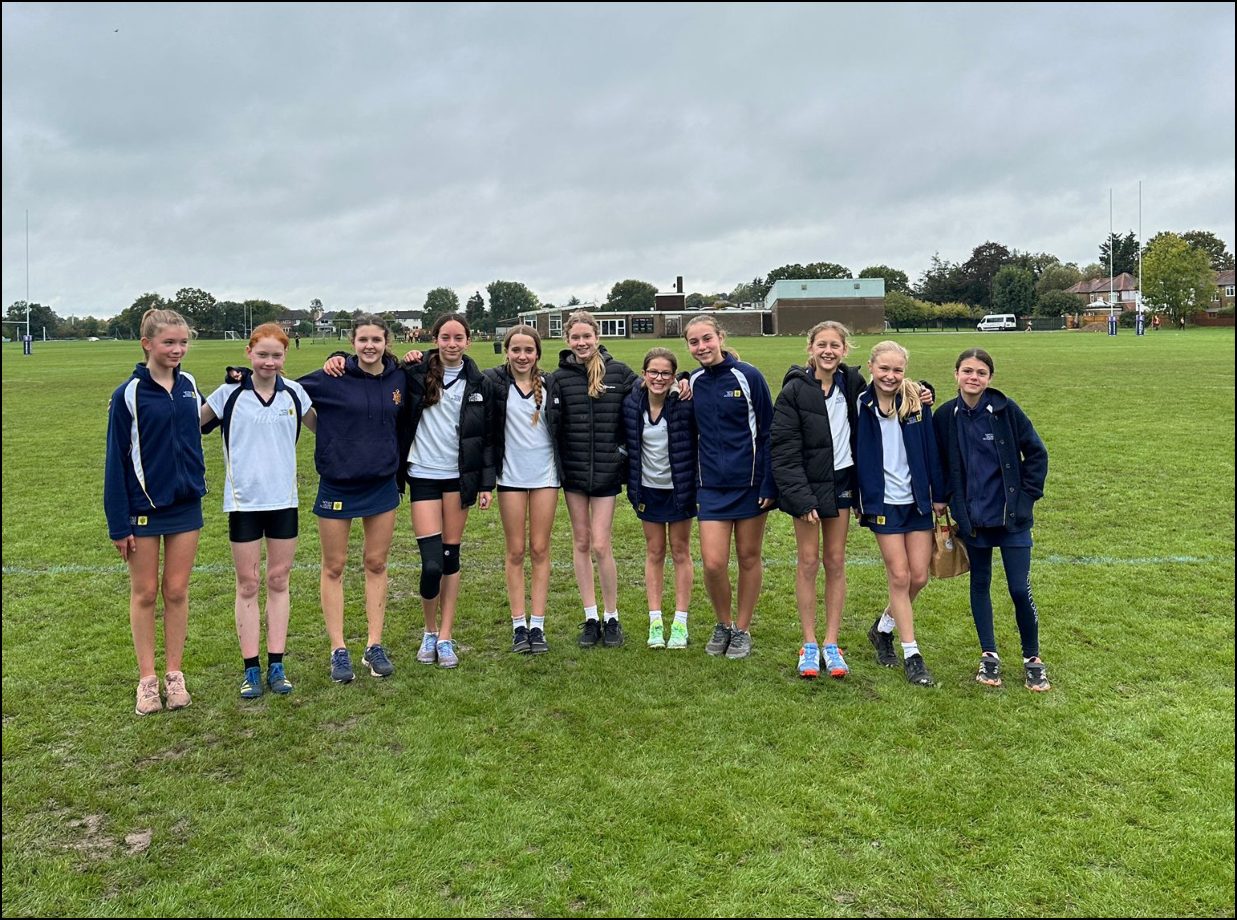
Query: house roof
{"points": [[1224, 278], [1123, 282]]}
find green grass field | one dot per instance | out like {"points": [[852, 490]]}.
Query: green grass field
{"points": [[632, 782]]}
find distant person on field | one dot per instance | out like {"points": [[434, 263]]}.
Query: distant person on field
{"points": [[1181, 322], [261, 418], [995, 466], [900, 486], [1155, 322], [154, 480], [660, 430]]}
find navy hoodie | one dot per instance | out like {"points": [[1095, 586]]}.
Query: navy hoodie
{"points": [[154, 448], [1020, 454], [363, 431]]}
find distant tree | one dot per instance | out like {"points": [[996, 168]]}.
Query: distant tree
{"points": [[744, 292], [979, 271], [904, 311], [895, 280], [1035, 262], [631, 296], [797, 272], [1058, 277], [573, 301], [1124, 251], [695, 301], [1013, 290], [1056, 303], [1176, 277], [474, 312], [200, 309], [128, 323], [263, 311], [1095, 270], [41, 318], [508, 299], [1217, 252], [942, 282], [439, 301]]}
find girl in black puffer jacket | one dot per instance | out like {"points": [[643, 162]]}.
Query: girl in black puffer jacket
{"points": [[591, 387], [814, 426]]}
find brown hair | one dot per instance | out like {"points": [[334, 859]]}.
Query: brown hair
{"points": [[269, 331], [721, 333], [371, 319], [155, 319], [832, 326], [980, 355], [596, 364], [433, 375], [909, 391], [659, 352], [535, 371]]}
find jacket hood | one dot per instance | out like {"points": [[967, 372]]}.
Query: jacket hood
{"points": [[995, 398], [795, 372], [352, 367]]}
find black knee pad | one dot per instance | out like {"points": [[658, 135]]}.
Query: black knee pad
{"points": [[431, 565], [450, 558]]}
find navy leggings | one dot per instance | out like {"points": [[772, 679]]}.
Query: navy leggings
{"points": [[1017, 562]]}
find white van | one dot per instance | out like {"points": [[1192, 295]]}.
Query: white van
{"points": [[998, 322]]}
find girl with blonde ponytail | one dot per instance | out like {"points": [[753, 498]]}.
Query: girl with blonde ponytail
{"points": [[900, 485], [524, 421], [591, 388]]}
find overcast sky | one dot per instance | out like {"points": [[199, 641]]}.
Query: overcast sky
{"points": [[366, 154]]}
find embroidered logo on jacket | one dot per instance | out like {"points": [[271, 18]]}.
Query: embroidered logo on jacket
{"points": [[476, 397], [397, 397]]}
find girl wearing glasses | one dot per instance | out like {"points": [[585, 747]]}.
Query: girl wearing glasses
{"points": [[661, 485]]}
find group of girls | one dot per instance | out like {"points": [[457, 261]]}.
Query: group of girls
{"points": [[712, 446], [840, 444]]}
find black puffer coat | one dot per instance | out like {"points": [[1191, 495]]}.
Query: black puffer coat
{"points": [[476, 453], [803, 441], [500, 378], [590, 431]]}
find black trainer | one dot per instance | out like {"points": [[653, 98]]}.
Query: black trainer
{"points": [[590, 633], [917, 672], [536, 641], [519, 640], [989, 673], [613, 633], [883, 643]]}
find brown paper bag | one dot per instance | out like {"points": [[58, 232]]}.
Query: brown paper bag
{"points": [[949, 556]]}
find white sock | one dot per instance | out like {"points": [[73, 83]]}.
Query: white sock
{"points": [[910, 648], [680, 616], [611, 615], [887, 623], [590, 613], [516, 623], [539, 623], [654, 616]]}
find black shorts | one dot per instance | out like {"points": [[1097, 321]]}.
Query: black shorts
{"points": [[430, 490], [247, 526]]}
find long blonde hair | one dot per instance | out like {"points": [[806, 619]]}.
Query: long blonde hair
{"points": [[721, 333], [831, 325], [909, 389], [535, 371], [596, 366]]}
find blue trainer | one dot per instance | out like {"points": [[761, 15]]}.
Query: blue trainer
{"points": [[809, 660], [835, 663], [277, 680], [375, 658], [251, 686], [341, 666]]}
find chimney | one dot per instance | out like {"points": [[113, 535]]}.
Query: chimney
{"points": [[678, 284]]}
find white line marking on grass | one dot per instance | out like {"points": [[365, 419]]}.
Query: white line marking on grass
{"points": [[218, 568]]}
